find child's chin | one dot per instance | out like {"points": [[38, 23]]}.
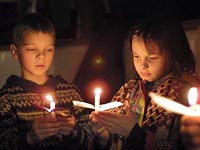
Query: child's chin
{"points": [[147, 80]]}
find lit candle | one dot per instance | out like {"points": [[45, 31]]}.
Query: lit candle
{"points": [[97, 92], [192, 99], [173, 106], [52, 105]]}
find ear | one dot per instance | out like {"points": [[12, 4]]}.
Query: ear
{"points": [[13, 50]]}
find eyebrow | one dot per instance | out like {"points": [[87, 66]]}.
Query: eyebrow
{"points": [[35, 44]]}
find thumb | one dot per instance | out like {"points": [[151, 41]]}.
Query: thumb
{"points": [[130, 110], [134, 113]]}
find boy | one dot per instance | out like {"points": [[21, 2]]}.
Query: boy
{"points": [[24, 124]]}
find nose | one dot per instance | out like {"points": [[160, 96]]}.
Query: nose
{"points": [[143, 64], [40, 55]]}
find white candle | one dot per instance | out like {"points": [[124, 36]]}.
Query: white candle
{"points": [[52, 105], [192, 99], [97, 92], [173, 106]]}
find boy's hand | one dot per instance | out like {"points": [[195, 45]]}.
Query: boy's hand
{"points": [[42, 128], [66, 124]]}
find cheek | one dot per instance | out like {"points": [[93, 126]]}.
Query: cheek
{"points": [[50, 58], [135, 62], [137, 68], [160, 72], [135, 65], [161, 69], [26, 59]]}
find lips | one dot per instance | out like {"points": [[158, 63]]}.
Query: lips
{"points": [[144, 74], [40, 66]]}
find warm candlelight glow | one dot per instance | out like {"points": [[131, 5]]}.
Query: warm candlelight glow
{"points": [[52, 104], [175, 107], [49, 97], [192, 99], [192, 96], [97, 92]]}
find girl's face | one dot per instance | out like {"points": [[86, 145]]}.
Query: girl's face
{"points": [[35, 54], [150, 67]]}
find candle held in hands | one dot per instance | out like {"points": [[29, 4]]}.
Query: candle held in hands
{"points": [[52, 105], [97, 92], [192, 99], [173, 106]]}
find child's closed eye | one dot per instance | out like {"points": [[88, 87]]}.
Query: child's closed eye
{"points": [[135, 56], [49, 50], [153, 58], [31, 49]]}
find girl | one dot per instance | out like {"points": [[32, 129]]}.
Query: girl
{"points": [[165, 65]]}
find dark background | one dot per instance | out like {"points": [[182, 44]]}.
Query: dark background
{"points": [[87, 16], [103, 24]]}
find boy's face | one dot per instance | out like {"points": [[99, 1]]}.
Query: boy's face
{"points": [[35, 54], [150, 67]]}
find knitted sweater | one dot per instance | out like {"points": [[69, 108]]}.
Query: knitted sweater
{"points": [[156, 128], [19, 99]]}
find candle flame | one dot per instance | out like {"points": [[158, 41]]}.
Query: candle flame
{"points": [[192, 96], [97, 91], [49, 97]]}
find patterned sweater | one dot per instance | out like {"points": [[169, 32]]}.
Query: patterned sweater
{"points": [[156, 129], [19, 99]]}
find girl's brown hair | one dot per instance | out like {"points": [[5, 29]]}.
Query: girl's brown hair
{"points": [[168, 34]]}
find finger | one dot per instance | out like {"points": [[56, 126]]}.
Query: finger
{"points": [[46, 135], [196, 141], [91, 114], [70, 122], [66, 133], [46, 125], [39, 124], [108, 124], [190, 130], [100, 130], [191, 142], [60, 118], [49, 130], [65, 121], [66, 130], [188, 120], [62, 114], [48, 119], [109, 121], [105, 114], [46, 129], [130, 111], [66, 125]]}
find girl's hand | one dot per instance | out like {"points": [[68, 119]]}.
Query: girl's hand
{"points": [[116, 123], [101, 132]]}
